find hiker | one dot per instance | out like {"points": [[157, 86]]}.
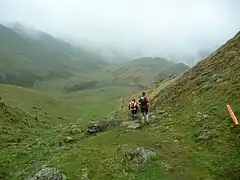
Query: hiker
{"points": [[133, 107], [144, 106]]}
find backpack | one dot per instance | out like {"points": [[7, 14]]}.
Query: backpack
{"points": [[143, 101], [133, 105]]}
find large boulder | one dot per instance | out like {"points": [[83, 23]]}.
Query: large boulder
{"points": [[134, 126], [140, 155], [102, 125], [48, 174]]}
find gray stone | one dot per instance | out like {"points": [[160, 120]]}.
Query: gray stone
{"points": [[127, 123], [157, 127], [205, 135], [214, 76], [161, 112], [85, 173], [69, 139], [207, 86], [199, 113], [74, 130], [49, 174], [133, 126], [219, 80], [102, 125], [140, 155], [205, 116]]}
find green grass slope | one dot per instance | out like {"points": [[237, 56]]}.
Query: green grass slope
{"points": [[38, 104], [199, 118], [27, 142], [64, 108], [15, 125]]}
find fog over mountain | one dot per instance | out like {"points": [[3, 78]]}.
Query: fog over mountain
{"points": [[178, 30]]}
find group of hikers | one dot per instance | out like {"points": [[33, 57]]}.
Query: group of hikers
{"points": [[143, 105]]}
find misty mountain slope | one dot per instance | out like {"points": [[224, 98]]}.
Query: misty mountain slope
{"points": [[144, 71], [26, 59], [138, 74], [32, 58]]}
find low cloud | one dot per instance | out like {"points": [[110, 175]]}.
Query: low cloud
{"points": [[140, 27]]}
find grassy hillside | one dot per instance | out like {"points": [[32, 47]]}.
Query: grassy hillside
{"points": [[15, 125], [29, 141], [65, 108], [199, 118]]}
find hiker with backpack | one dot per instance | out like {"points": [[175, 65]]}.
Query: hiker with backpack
{"points": [[144, 106], [133, 107]]}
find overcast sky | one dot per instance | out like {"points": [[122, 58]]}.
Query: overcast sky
{"points": [[149, 26]]}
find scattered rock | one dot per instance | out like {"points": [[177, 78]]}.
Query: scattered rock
{"points": [[219, 80], [92, 131], [157, 127], [161, 112], [194, 92], [175, 140], [214, 76], [75, 130], [48, 174], [69, 139], [206, 135], [102, 126], [140, 155], [205, 116], [97, 127], [133, 126], [59, 117], [35, 107], [127, 123], [207, 86], [167, 167], [199, 113], [85, 173]]}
